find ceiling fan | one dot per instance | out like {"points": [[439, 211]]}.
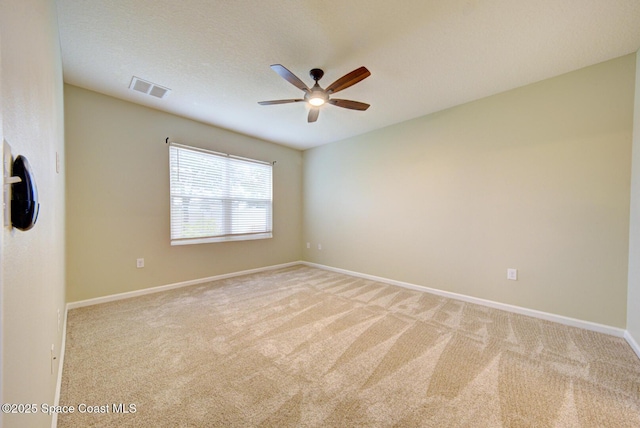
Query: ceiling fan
{"points": [[316, 96]]}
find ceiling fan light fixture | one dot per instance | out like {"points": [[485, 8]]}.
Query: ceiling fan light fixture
{"points": [[316, 96], [316, 100]]}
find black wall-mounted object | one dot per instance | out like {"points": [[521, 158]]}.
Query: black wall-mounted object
{"points": [[24, 196]]}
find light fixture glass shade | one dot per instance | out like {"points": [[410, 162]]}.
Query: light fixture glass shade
{"points": [[316, 101]]}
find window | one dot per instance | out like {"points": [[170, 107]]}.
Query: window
{"points": [[217, 197]]}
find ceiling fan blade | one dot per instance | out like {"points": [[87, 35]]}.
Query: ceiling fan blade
{"points": [[353, 105], [268, 103], [313, 114], [348, 80], [289, 77]]}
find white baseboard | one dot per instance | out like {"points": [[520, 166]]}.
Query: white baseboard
{"points": [[587, 325], [573, 322], [632, 342], [63, 344], [158, 289]]}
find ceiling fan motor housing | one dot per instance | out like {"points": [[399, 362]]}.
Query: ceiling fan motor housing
{"points": [[316, 96]]}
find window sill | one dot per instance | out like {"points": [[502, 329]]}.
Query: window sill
{"points": [[193, 241]]}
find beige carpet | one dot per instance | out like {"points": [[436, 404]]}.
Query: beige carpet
{"points": [[304, 347]]}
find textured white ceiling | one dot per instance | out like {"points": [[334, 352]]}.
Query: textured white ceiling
{"points": [[424, 56]]}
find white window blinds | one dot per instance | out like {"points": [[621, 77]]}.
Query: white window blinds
{"points": [[216, 197]]}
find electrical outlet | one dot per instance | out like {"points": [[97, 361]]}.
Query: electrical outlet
{"points": [[140, 263], [308, 244], [512, 274], [319, 246]]}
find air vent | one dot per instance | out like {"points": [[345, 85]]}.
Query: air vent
{"points": [[137, 84]]}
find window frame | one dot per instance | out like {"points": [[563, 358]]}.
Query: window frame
{"points": [[227, 202]]}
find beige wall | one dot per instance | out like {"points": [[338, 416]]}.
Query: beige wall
{"points": [[32, 262], [633, 297], [536, 178], [118, 199]]}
